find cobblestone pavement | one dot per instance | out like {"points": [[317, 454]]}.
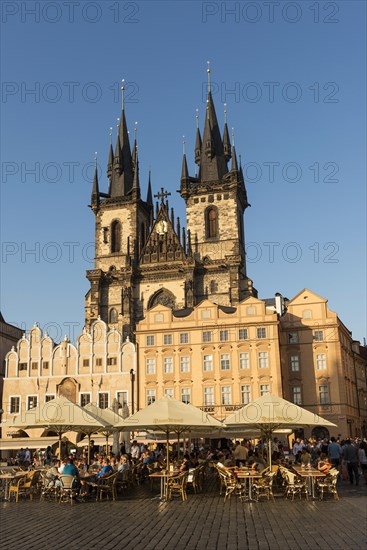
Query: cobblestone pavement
{"points": [[204, 521]]}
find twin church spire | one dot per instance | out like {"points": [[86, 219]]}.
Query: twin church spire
{"points": [[212, 154]]}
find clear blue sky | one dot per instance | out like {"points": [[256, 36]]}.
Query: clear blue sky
{"points": [[293, 76]]}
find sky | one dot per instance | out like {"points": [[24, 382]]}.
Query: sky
{"points": [[293, 77]]}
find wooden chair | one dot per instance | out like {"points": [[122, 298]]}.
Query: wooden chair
{"points": [[328, 484], [107, 486], [176, 485], [48, 488], [264, 487], [194, 479], [229, 482], [24, 485]]}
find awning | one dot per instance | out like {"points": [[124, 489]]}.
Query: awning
{"points": [[17, 443]]}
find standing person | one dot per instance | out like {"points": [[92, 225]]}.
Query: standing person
{"points": [[334, 453], [27, 458], [297, 447], [240, 453], [350, 455], [135, 451], [362, 455], [48, 456]]}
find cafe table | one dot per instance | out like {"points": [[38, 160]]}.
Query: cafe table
{"points": [[8, 478], [311, 474], [246, 476], [163, 475]]}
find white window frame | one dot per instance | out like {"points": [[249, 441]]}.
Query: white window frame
{"points": [[321, 361], [244, 360], [324, 392], [264, 391], [20, 403], [185, 363], [28, 398], [51, 395], [243, 333], [126, 394], [225, 361], [207, 336], [168, 364], [208, 363], [293, 338], [150, 340], [318, 335], [297, 395], [108, 399], [151, 396], [294, 362], [184, 337], [263, 359], [167, 339], [226, 395], [169, 392], [261, 333], [150, 365], [85, 393], [246, 390], [224, 335], [209, 399], [186, 391]]}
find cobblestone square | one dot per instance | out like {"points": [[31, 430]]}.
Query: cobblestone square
{"points": [[138, 520]]}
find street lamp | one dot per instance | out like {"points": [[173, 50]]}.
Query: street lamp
{"points": [[132, 380]]}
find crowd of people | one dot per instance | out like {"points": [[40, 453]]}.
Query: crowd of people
{"points": [[349, 456]]}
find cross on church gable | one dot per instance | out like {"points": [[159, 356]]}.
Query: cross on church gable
{"points": [[162, 194]]}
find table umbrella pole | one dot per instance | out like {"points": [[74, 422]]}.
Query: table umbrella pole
{"points": [[60, 458], [269, 451], [167, 450], [89, 436]]}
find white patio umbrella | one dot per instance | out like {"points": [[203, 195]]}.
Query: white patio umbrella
{"points": [[168, 415], [59, 415], [107, 415], [270, 413]]}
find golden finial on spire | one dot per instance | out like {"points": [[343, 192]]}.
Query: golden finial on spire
{"points": [[95, 159], [111, 136], [197, 118], [208, 71], [135, 129], [118, 124], [232, 137], [184, 145], [225, 113], [123, 93]]}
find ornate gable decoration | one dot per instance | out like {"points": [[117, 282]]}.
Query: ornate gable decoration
{"points": [[163, 244]]}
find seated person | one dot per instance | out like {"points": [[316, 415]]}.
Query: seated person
{"points": [[70, 469], [123, 467], [106, 469], [52, 473], [323, 464], [305, 457]]}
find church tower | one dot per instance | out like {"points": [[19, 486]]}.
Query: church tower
{"points": [[142, 255], [123, 222], [215, 200]]}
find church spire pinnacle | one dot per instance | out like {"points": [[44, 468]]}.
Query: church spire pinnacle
{"points": [[234, 156], [208, 72], [226, 141], [198, 142], [136, 181], [95, 189]]}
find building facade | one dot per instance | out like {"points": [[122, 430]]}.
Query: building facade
{"points": [[171, 309]]}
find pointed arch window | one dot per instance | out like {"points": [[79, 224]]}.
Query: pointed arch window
{"points": [[113, 315], [211, 222], [116, 236]]}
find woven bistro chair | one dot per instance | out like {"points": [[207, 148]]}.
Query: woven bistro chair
{"points": [[229, 482], [68, 492], [24, 485], [176, 486], [295, 485], [106, 486], [328, 484], [263, 487]]}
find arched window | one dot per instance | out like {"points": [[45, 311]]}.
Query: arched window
{"points": [[211, 222], [113, 315], [163, 297], [116, 236]]}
